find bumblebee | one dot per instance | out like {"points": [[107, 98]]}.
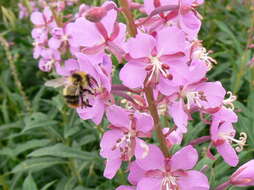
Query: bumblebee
{"points": [[76, 90]]}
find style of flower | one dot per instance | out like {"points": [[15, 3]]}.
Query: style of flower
{"points": [[150, 59], [243, 176], [155, 172], [122, 141]]}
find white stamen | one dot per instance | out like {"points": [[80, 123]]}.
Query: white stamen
{"points": [[202, 54], [156, 69], [193, 97], [168, 183]]}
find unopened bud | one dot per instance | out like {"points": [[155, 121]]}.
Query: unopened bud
{"points": [[96, 14]]}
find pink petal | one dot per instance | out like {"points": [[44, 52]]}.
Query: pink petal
{"points": [[133, 75], [98, 111], [86, 34], [70, 66], [225, 114], [147, 183], [170, 40], [228, 153], [197, 71], [136, 173], [244, 176], [180, 118], [140, 46], [109, 20], [141, 149], [47, 14], [179, 161], [166, 87], [54, 43], [112, 167], [124, 187], [227, 128], [193, 180], [118, 116], [144, 122], [86, 66], [37, 18], [154, 160], [190, 24], [107, 143], [214, 93]]}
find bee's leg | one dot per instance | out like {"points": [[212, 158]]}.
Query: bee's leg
{"points": [[92, 82], [81, 98], [87, 104], [89, 91]]}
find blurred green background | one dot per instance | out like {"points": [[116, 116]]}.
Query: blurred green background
{"points": [[45, 146]]}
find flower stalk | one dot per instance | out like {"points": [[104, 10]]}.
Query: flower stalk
{"points": [[156, 119], [129, 18]]}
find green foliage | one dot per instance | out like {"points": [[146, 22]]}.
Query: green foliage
{"points": [[45, 146]]}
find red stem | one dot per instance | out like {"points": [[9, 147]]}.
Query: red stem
{"points": [[200, 140], [223, 186]]}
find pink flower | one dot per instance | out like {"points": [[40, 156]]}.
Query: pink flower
{"points": [[49, 59], [155, 172], [193, 94], [96, 36], [151, 58], [243, 176], [44, 19], [222, 135], [61, 36], [185, 16], [123, 141]]}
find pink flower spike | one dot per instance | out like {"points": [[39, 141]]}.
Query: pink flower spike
{"points": [[243, 176]]}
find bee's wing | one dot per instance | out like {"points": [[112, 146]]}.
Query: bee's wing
{"points": [[56, 82]]}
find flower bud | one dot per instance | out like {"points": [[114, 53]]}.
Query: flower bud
{"points": [[96, 14], [244, 176]]}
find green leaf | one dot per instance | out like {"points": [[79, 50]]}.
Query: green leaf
{"points": [[38, 120], [36, 164], [20, 148], [48, 185], [230, 34], [60, 150], [29, 183]]}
